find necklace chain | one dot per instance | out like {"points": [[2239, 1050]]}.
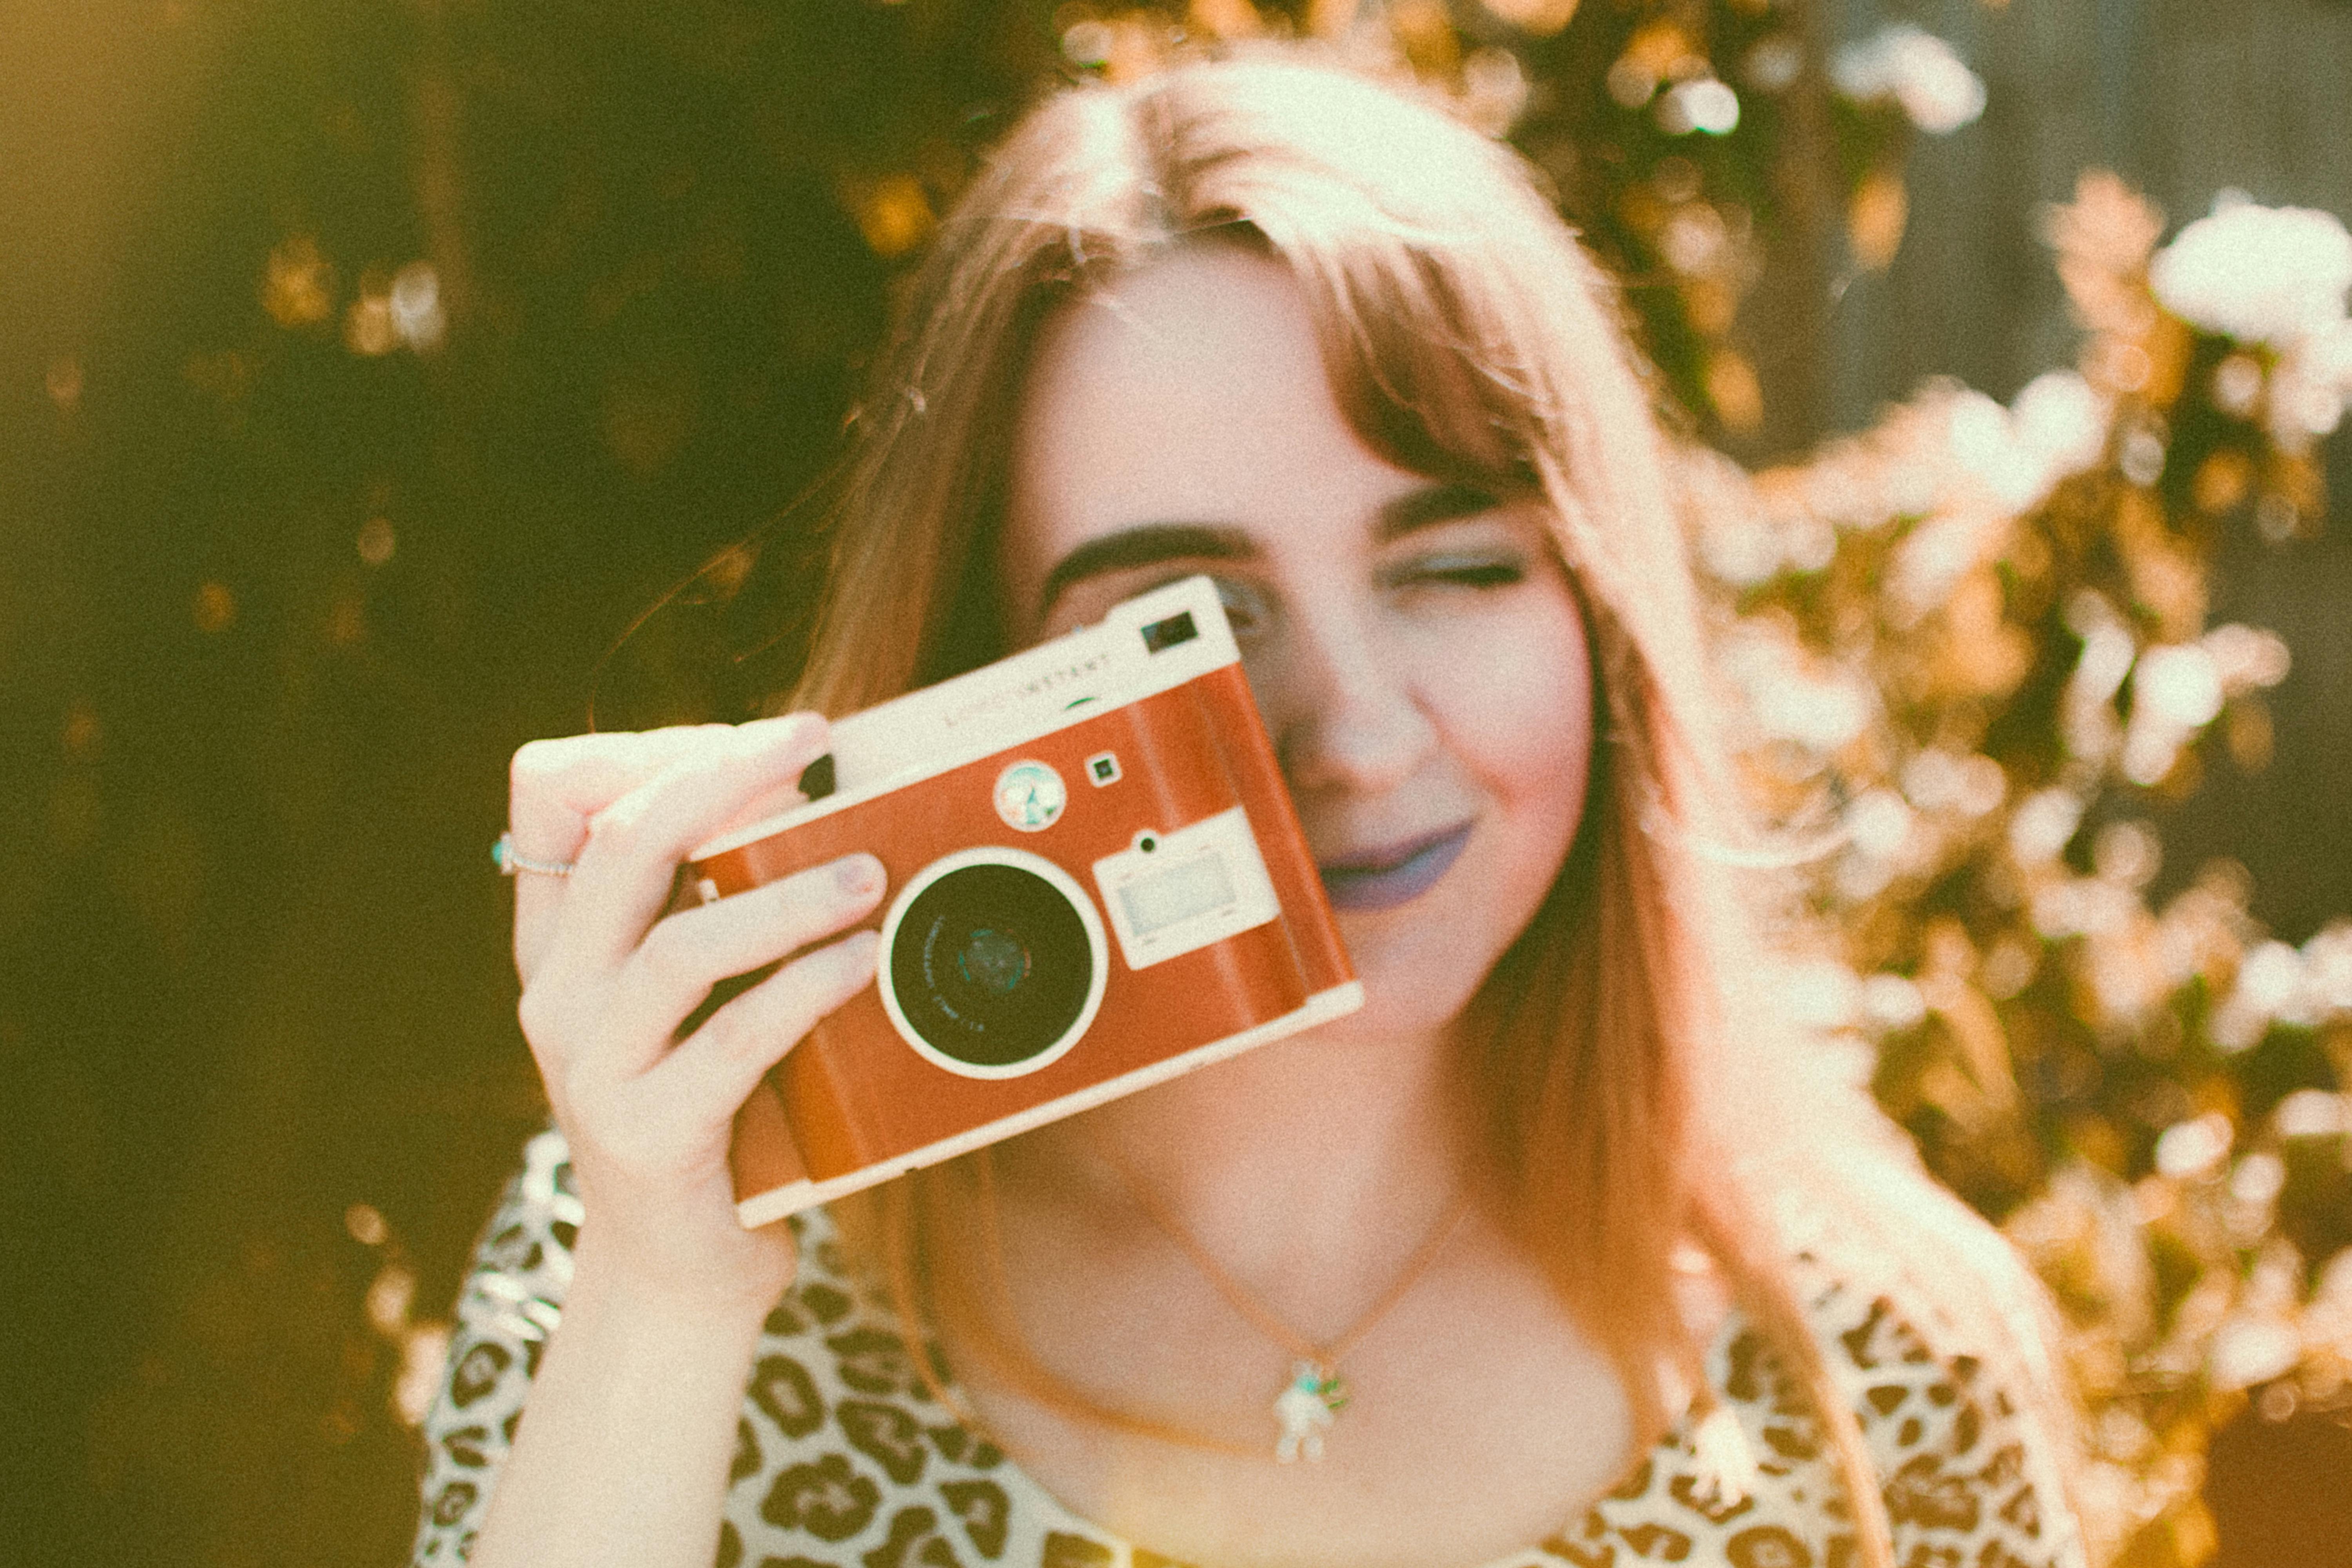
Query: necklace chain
{"points": [[1325, 1356], [1315, 1395]]}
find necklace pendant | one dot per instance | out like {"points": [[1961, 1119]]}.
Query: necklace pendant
{"points": [[1305, 1410]]}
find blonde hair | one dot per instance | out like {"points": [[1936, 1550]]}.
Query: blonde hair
{"points": [[1630, 1102]]}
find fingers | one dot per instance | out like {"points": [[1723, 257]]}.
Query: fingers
{"points": [[719, 1063], [607, 980], [557, 788], [685, 955], [624, 875]]}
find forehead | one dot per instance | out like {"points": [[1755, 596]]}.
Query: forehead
{"points": [[1193, 389]]}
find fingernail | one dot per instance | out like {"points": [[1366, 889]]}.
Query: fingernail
{"points": [[858, 948], [781, 731], [859, 875], [788, 723]]}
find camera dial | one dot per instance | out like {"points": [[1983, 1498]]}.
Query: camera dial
{"points": [[1030, 796]]}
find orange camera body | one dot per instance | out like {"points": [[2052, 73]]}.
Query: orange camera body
{"points": [[1095, 882]]}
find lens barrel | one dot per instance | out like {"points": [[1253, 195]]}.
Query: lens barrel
{"points": [[992, 965]]}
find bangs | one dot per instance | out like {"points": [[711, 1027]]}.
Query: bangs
{"points": [[1413, 372], [1420, 244], [1409, 233]]}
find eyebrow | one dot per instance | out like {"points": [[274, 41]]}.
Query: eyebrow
{"points": [[1150, 544]]}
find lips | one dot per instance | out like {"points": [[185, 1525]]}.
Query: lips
{"points": [[1383, 878]]}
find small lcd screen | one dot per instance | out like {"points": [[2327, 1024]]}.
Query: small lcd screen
{"points": [[1183, 892], [1169, 633]]}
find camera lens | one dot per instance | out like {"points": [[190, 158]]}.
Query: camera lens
{"points": [[992, 960], [992, 965]]}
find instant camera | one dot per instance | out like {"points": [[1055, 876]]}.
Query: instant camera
{"points": [[1097, 882]]}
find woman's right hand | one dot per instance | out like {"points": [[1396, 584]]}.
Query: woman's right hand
{"points": [[607, 978]]}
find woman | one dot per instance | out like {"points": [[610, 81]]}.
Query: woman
{"points": [[1607, 1270]]}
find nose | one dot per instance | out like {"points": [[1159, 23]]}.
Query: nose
{"points": [[1342, 699]]}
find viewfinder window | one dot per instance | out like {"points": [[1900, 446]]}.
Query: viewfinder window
{"points": [[1167, 633]]}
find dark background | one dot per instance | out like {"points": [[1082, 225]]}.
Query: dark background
{"points": [[252, 960]]}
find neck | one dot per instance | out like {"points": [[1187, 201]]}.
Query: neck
{"points": [[1320, 1160]]}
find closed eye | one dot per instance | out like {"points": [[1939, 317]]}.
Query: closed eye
{"points": [[1490, 575], [1481, 571]]}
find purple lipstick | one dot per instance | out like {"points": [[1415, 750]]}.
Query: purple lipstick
{"points": [[1384, 878]]}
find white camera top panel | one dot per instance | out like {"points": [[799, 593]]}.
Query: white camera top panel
{"points": [[1146, 644]]}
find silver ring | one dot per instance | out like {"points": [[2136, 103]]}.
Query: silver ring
{"points": [[509, 860]]}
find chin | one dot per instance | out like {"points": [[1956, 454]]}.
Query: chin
{"points": [[1405, 995], [1422, 962]]}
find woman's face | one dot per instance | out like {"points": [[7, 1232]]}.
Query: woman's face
{"points": [[1414, 648]]}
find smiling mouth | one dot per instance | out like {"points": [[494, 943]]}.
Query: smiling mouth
{"points": [[1393, 876]]}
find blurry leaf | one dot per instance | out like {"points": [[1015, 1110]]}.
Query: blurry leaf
{"points": [[1540, 17], [298, 288], [894, 215], [1874, 218]]}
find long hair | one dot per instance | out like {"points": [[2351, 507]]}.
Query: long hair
{"points": [[1631, 1102]]}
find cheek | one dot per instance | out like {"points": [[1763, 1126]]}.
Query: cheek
{"points": [[1530, 710]]}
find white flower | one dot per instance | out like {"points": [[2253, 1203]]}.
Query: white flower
{"points": [[416, 314], [2063, 420], [1820, 712], [1703, 103], [2182, 683], [2272, 275], [2042, 825], [1918, 71], [2270, 979], [2251, 1350], [2247, 657], [2311, 386], [2057, 427], [2327, 971], [2187, 1150], [1879, 824], [1893, 1002], [1985, 442], [2313, 1113]]}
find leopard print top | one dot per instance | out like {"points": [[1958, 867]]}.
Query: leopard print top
{"points": [[843, 1456]]}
